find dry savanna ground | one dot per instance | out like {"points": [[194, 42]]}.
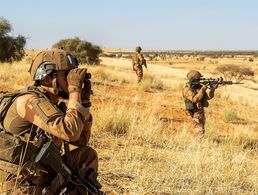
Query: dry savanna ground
{"points": [[144, 138]]}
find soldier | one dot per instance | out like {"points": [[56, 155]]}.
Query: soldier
{"points": [[196, 98], [56, 75], [138, 61]]}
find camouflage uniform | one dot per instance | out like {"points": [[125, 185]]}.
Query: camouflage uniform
{"points": [[199, 98], [138, 61], [31, 111]]}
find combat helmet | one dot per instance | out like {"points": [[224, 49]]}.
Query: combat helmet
{"points": [[193, 75], [138, 49], [48, 61]]}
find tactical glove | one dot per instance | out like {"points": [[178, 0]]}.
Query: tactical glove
{"points": [[75, 79]]}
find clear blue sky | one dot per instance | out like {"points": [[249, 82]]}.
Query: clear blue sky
{"points": [[153, 24]]}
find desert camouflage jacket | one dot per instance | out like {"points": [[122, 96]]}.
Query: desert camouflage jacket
{"points": [[138, 59], [72, 125], [196, 95]]}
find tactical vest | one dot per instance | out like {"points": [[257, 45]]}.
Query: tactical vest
{"points": [[13, 147]]}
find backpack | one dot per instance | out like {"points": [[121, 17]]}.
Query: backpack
{"points": [[6, 100], [12, 146]]}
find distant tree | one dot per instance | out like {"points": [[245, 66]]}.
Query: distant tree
{"points": [[85, 51], [11, 48], [234, 72]]}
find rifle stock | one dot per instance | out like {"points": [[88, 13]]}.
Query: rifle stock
{"points": [[50, 156]]}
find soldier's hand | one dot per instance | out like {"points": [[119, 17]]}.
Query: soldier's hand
{"points": [[75, 79]]}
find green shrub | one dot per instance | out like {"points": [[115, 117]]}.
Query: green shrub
{"points": [[85, 51], [11, 48]]}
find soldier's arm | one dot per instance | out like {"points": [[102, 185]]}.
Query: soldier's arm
{"points": [[85, 135], [189, 94], [45, 115]]}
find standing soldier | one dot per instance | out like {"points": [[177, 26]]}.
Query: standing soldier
{"points": [[196, 98], [37, 112], [138, 61]]}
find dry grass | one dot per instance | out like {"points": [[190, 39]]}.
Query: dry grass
{"points": [[150, 159], [150, 83], [14, 76], [141, 154], [103, 74], [229, 116]]}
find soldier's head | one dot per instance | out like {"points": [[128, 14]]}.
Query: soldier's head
{"points": [[50, 68], [138, 49], [194, 75]]}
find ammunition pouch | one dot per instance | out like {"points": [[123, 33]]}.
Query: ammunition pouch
{"points": [[20, 153], [11, 148], [205, 103], [14, 148], [189, 105]]}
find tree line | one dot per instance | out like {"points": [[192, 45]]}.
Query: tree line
{"points": [[12, 47]]}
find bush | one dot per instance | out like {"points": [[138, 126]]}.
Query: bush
{"points": [[229, 116], [149, 82], [234, 72], [11, 48], [83, 50]]}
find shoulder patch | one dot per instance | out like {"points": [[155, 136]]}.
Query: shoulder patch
{"points": [[47, 108], [44, 108]]}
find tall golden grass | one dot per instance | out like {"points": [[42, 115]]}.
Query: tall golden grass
{"points": [[140, 154], [147, 158]]}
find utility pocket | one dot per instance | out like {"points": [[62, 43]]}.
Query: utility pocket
{"points": [[10, 148]]}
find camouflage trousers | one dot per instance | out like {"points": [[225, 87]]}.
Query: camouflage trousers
{"points": [[198, 121], [139, 72], [83, 158]]}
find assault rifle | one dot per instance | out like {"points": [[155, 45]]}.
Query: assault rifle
{"points": [[50, 156], [212, 83]]}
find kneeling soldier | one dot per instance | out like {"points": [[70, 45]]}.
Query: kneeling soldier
{"points": [[37, 112]]}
